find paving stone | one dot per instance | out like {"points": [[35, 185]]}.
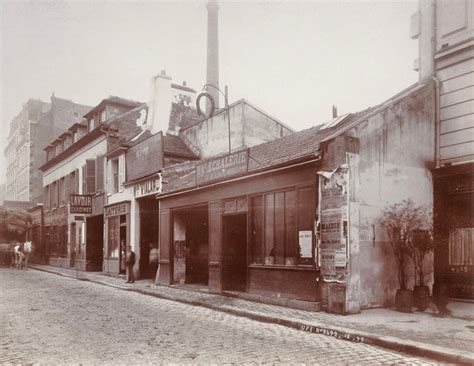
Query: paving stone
{"points": [[49, 319]]}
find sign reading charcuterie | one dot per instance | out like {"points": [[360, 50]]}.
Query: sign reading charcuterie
{"points": [[80, 203], [222, 167]]}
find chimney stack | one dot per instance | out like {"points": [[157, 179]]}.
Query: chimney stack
{"points": [[160, 103], [334, 111], [212, 76]]}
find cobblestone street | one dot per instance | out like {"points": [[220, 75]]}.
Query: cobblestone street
{"points": [[51, 319]]}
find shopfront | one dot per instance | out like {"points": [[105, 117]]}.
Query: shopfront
{"points": [[454, 228], [144, 191], [248, 234], [35, 234], [117, 236], [56, 236]]}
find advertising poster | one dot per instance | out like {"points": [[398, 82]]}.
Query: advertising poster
{"points": [[333, 221]]}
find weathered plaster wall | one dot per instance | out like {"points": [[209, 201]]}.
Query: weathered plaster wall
{"points": [[395, 152], [211, 136], [249, 127]]}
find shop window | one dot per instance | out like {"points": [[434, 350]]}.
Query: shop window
{"points": [[281, 227], [113, 237]]}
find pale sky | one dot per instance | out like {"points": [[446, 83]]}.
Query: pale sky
{"points": [[294, 59]]}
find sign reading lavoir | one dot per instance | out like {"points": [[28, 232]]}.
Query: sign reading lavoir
{"points": [[222, 167], [80, 203]]}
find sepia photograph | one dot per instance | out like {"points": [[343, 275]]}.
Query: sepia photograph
{"points": [[235, 182]]}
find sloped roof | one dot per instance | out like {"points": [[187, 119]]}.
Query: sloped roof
{"points": [[174, 145], [113, 100], [298, 147]]}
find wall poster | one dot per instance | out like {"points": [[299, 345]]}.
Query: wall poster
{"points": [[333, 227], [306, 243]]}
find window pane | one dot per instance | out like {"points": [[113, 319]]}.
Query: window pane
{"points": [[305, 216], [257, 229], [269, 228], [291, 251], [279, 228], [113, 236]]}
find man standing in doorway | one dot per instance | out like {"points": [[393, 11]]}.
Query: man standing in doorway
{"points": [[129, 263]]}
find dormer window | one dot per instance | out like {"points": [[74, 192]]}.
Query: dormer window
{"points": [[91, 124], [74, 137], [103, 116]]}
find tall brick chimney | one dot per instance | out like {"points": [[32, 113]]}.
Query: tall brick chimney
{"points": [[212, 76]]}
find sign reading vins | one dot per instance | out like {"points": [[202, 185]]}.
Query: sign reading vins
{"points": [[80, 203], [222, 167]]}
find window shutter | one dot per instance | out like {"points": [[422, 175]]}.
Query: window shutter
{"points": [[66, 189], [46, 197], [90, 176], [108, 177], [83, 180], [99, 173], [76, 183], [121, 167]]}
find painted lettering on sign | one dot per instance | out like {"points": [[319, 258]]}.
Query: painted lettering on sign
{"points": [[116, 210], [80, 203], [151, 186], [222, 167]]}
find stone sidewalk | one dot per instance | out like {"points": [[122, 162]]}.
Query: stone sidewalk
{"points": [[448, 339]]}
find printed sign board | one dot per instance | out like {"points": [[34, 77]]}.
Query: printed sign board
{"points": [[147, 187], [116, 210], [80, 203], [222, 167]]}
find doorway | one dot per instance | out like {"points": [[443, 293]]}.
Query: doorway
{"points": [[72, 262], [148, 237], [234, 253], [197, 246], [94, 243]]}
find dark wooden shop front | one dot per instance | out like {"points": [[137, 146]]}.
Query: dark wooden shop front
{"points": [[253, 234]]}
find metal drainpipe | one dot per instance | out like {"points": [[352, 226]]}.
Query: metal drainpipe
{"points": [[437, 119], [437, 96]]}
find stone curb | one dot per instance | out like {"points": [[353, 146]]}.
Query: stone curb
{"points": [[406, 346]]}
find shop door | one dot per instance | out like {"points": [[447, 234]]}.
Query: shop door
{"points": [[234, 253], [94, 243], [73, 246], [197, 246]]}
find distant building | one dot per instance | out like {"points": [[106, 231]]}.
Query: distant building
{"points": [[30, 132], [445, 32], [3, 187]]}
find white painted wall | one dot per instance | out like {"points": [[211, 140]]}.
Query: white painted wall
{"points": [[76, 161]]}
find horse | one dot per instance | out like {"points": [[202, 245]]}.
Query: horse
{"points": [[22, 253]]}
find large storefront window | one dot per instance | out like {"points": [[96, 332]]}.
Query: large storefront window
{"points": [[282, 227]]}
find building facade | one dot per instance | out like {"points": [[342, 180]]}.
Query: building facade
{"points": [[296, 221], [74, 183], [445, 32], [30, 132]]}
